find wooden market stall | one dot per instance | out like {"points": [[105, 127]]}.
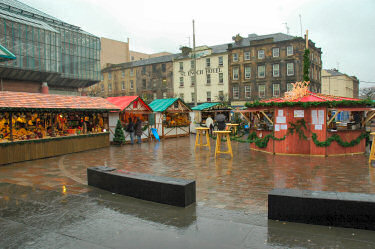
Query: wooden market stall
{"points": [[305, 124], [34, 125], [202, 111], [171, 117], [131, 107]]}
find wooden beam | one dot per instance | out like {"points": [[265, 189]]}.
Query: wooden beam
{"points": [[248, 120], [334, 116], [369, 117], [267, 117]]}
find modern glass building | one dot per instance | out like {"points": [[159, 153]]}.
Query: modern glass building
{"points": [[46, 49]]}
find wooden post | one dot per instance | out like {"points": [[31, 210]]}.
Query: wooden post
{"points": [[307, 39]]}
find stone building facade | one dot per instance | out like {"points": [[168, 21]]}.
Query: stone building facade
{"points": [[339, 84], [264, 66], [150, 78], [211, 75]]}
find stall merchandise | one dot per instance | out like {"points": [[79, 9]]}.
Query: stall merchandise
{"points": [[131, 107], [34, 118], [201, 112], [304, 122], [172, 117]]}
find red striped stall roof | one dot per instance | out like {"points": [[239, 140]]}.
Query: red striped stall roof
{"points": [[124, 101], [22, 100]]}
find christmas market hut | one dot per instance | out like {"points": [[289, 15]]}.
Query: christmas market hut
{"points": [[171, 117], [201, 112], [306, 123], [35, 125], [132, 107]]}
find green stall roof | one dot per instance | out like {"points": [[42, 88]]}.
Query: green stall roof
{"points": [[160, 105], [6, 55], [204, 106]]}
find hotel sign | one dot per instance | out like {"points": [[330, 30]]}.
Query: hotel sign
{"points": [[206, 71]]}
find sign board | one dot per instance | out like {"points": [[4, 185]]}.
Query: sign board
{"points": [[299, 113]]}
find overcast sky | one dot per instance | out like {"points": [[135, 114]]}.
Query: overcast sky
{"points": [[344, 29]]}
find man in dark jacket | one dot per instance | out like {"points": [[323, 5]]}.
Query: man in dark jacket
{"points": [[130, 129], [138, 129]]}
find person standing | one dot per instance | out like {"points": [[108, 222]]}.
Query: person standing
{"points": [[130, 129], [138, 129], [220, 119], [210, 124]]}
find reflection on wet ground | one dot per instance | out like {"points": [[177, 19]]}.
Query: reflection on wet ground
{"points": [[47, 200]]}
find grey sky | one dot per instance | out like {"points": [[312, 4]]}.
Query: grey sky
{"points": [[344, 29]]}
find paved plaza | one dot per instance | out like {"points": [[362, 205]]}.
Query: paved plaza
{"points": [[47, 204]]}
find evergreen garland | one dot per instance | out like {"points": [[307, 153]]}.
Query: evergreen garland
{"points": [[338, 139], [329, 104], [306, 65], [119, 137], [301, 123]]}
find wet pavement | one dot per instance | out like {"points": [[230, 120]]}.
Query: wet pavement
{"points": [[47, 204]]}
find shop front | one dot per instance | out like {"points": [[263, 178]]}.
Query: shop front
{"points": [[171, 117], [201, 112], [34, 125]]}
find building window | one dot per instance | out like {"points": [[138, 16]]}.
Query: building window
{"points": [[182, 96], [262, 91], [164, 95], [235, 57], [261, 54], [276, 90], [208, 79], [276, 70], [208, 62], [109, 75], [143, 70], [289, 50], [154, 68], [123, 74], [289, 87], [221, 95], [122, 85], [221, 78], [181, 66], [247, 55], [164, 81], [132, 58], [144, 83], [155, 96], [235, 73], [261, 71], [247, 92], [221, 62], [131, 84], [181, 81], [290, 69], [192, 97], [102, 87], [131, 72], [192, 80], [163, 68], [236, 93], [109, 87], [247, 72], [192, 64], [275, 52], [208, 96]]}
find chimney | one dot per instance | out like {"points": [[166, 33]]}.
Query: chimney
{"points": [[44, 88]]}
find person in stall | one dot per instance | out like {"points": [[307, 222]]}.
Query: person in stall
{"points": [[210, 124]]}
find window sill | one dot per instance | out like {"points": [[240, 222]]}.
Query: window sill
{"points": [[181, 86]]}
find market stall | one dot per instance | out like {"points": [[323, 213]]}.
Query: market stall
{"points": [[34, 125], [201, 112], [131, 107], [304, 123], [171, 117]]}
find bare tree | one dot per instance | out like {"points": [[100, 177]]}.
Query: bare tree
{"points": [[367, 93]]}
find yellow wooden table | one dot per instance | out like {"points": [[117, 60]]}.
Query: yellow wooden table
{"points": [[220, 135], [372, 153], [229, 126], [199, 137]]}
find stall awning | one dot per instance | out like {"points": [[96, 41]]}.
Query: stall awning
{"points": [[160, 105], [124, 102], [6, 55], [311, 97], [20, 101], [206, 106]]}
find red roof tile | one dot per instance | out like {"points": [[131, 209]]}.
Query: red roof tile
{"points": [[124, 101], [21, 100]]}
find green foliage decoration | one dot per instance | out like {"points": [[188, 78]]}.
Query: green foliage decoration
{"points": [[119, 137], [301, 123], [306, 65], [338, 139], [329, 104]]}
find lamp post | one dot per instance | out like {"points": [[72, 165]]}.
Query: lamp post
{"points": [[194, 68]]}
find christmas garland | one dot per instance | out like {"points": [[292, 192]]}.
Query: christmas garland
{"points": [[306, 65], [338, 139], [330, 104]]}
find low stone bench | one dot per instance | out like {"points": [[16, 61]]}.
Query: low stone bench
{"points": [[171, 191], [354, 210]]}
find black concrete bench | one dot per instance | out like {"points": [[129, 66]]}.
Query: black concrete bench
{"points": [[341, 209], [171, 191]]}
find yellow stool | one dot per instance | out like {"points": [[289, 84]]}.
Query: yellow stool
{"points": [[372, 153], [199, 138], [229, 126], [221, 134]]}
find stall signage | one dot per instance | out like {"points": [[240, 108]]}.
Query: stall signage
{"points": [[299, 113], [201, 71]]}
